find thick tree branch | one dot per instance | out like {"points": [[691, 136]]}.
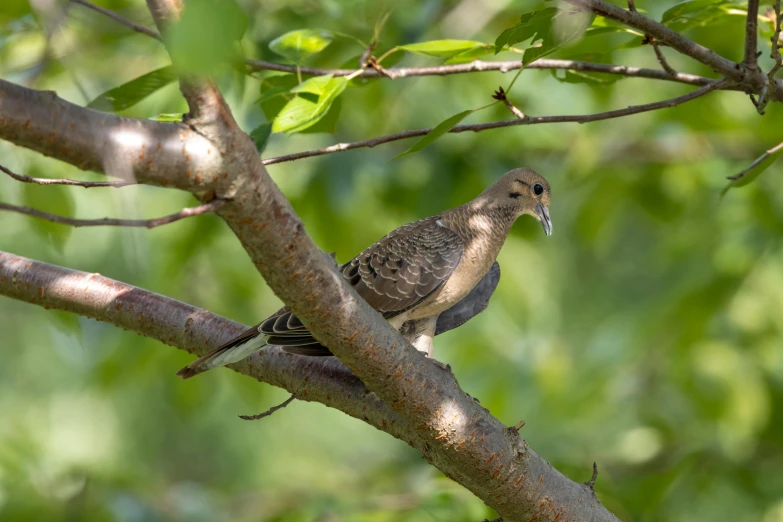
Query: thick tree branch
{"points": [[750, 80], [24, 178], [149, 152], [527, 120], [551, 495], [112, 222]]}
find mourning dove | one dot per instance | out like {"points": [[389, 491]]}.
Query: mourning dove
{"points": [[425, 278]]}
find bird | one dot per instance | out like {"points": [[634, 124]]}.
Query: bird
{"points": [[425, 278]]}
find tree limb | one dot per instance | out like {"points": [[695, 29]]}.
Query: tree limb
{"points": [[24, 178], [149, 152], [119, 18], [528, 120], [142, 223], [548, 493], [750, 81]]}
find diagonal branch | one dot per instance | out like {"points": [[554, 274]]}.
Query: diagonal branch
{"points": [[750, 80], [119, 18], [24, 178], [550, 495], [112, 222], [528, 120]]}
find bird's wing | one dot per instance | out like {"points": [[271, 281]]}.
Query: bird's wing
{"points": [[404, 268], [472, 304]]}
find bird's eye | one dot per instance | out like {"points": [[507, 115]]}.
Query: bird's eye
{"points": [[538, 188]]}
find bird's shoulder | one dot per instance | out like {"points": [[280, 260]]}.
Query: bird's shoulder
{"points": [[406, 266]]}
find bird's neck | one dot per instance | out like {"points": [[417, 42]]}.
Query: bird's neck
{"points": [[483, 222]]}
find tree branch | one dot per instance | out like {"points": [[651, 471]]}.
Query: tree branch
{"points": [[528, 120], [142, 223], [149, 152], [749, 81], [767, 91], [270, 411], [549, 495], [72, 182]]}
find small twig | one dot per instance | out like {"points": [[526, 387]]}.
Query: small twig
{"points": [[518, 425], [270, 411], [73, 182], [751, 36], [145, 223], [769, 88], [500, 95], [756, 162], [591, 483], [530, 120], [656, 45], [662, 59], [119, 18]]}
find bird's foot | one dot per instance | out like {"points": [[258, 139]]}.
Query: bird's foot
{"points": [[443, 366]]}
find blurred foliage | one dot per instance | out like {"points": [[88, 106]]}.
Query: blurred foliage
{"points": [[645, 335]]}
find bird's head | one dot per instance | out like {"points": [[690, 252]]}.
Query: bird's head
{"points": [[526, 192]]}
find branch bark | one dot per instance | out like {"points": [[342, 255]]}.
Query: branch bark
{"points": [[751, 36], [749, 80], [24, 178], [149, 152], [549, 494]]}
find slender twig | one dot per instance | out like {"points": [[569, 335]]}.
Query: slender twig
{"points": [[144, 223], [649, 39], [662, 59], [751, 35], [530, 120], [270, 411], [119, 18], [756, 162], [591, 483], [500, 94], [769, 88], [73, 182]]}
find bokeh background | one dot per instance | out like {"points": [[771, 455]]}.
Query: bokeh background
{"points": [[646, 334]]}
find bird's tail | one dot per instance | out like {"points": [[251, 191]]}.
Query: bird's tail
{"points": [[233, 351]]}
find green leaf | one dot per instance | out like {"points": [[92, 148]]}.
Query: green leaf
{"points": [[693, 13], [530, 25], [328, 123], [443, 48], [441, 129], [551, 26], [314, 98], [56, 199], [471, 54], [169, 117], [130, 93], [299, 45], [204, 36], [588, 77], [261, 135], [753, 173]]}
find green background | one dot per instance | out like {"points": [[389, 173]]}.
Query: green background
{"points": [[646, 334]]}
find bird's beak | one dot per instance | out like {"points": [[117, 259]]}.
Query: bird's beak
{"points": [[543, 216]]}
